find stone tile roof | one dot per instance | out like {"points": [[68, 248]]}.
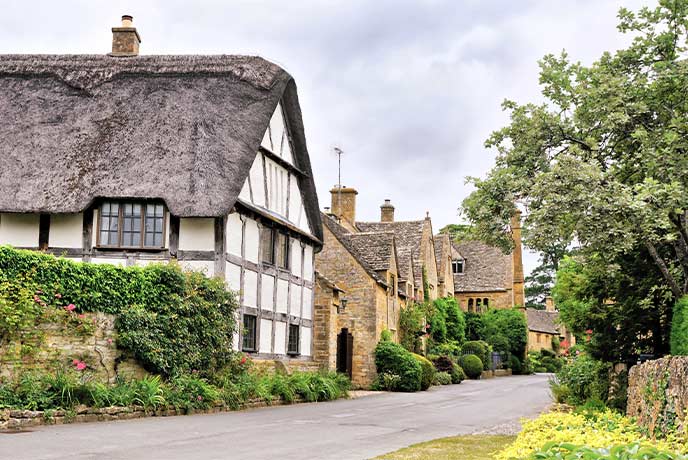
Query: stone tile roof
{"points": [[486, 268], [344, 237], [375, 247], [408, 237], [542, 321], [185, 129], [328, 282]]}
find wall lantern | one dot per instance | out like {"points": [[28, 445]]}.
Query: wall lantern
{"points": [[342, 305]]}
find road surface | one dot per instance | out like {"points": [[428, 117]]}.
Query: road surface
{"points": [[345, 429]]}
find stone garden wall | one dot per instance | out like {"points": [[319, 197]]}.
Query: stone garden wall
{"points": [[67, 340], [658, 394]]}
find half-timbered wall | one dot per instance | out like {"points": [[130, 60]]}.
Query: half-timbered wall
{"points": [[277, 297]]}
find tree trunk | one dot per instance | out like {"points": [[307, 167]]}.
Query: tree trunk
{"points": [[675, 288]]}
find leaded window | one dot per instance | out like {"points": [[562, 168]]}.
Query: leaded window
{"points": [[275, 247], [131, 225], [249, 342], [293, 345]]}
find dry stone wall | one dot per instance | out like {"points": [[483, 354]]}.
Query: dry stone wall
{"points": [[658, 394]]}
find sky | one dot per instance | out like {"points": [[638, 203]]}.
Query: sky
{"points": [[409, 90]]}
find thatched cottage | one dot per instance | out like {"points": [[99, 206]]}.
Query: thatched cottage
{"points": [[129, 159]]}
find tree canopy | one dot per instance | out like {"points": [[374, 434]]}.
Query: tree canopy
{"points": [[601, 164]]}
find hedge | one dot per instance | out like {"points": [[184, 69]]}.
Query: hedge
{"points": [[171, 321], [679, 328], [393, 359]]}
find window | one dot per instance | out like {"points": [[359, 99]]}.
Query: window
{"points": [[293, 345], [470, 305], [393, 284], [486, 302], [131, 225], [249, 342], [275, 247], [457, 266]]}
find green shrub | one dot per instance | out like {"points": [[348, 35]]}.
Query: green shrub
{"points": [[451, 349], [679, 328], [191, 392], [479, 349], [411, 327], [386, 335], [515, 365], [584, 379], [428, 375], [392, 358], [547, 353], [511, 323], [172, 322], [454, 319], [632, 451], [472, 366], [551, 364], [443, 363], [442, 378], [457, 374]]}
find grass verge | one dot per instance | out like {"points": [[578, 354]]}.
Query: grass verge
{"points": [[471, 447]]}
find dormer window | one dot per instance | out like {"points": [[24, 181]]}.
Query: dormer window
{"points": [[131, 225], [457, 266]]}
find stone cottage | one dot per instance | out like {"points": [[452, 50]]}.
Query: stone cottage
{"points": [[367, 272], [486, 277], [129, 159], [544, 326]]}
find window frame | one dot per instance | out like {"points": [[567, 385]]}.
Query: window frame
{"points": [[276, 249], [120, 225], [254, 333], [461, 263], [290, 351]]}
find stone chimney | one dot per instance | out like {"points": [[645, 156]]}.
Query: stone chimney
{"points": [[387, 212], [549, 304], [517, 261], [344, 204], [125, 39]]}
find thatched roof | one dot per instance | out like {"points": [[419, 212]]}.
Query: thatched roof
{"points": [[184, 129], [486, 268]]}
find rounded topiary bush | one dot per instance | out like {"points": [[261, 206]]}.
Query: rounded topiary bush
{"points": [[457, 374], [393, 359], [443, 364], [515, 365], [472, 366], [478, 348], [428, 375]]}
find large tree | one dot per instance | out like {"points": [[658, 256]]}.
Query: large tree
{"points": [[601, 165]]}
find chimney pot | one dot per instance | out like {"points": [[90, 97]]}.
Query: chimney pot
{"points": [[125, 39], [344, 203]]}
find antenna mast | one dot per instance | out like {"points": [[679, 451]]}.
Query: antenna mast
{"points": [[339, 153]]}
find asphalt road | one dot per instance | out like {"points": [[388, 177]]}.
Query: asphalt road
{"points": [[344, 429]]}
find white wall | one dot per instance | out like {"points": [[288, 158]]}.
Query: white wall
{"points": [[19, 230], [197, 234], [250, 288], [282, 296], [234, 226], [308, 263], [257, 181], [233, 276], [265, 345], [252, 243], [204, 266], [295, 294], [267, 289], [296, 254], [307, 311], [306, 333], [66, 231], [280, 337]]}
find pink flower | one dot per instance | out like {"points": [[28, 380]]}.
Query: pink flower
{"points": [[75, 361], [109, 341], [36, 299], [200, 398], [82, 316], [80, 365], [243, 360], [58, 296], [70, 307]]}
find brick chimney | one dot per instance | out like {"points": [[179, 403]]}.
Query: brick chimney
{"points": [[125, 39], [549, 304], [344, 204], [517, 261], [387, 212]]}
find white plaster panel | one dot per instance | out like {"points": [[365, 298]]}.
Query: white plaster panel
{"points": [[282, 296], [296, 249], [108, 260], [250, 288], [94, 233], [280, 338], [277, 187], [235, 341], [197, 234], [252, 240], [245, 193], [307, 311], [276, 129], [234, 225], [308, 263], [265, 345], [20, 230], [294, 201], [267, 141], [306, 333], [207, 267], [295, 306], [66, 230], [233, 276], [267, 289], [258, 181]]}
